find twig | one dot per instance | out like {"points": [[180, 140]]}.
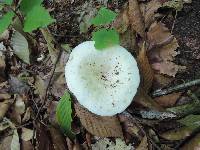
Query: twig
{"points": [[183, 86]]}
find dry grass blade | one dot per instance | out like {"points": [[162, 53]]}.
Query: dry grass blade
{"points": [[135, 17], [98, 125], [145, 69]]}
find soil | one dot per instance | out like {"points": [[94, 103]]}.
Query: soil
{"points": [[187, 32]]}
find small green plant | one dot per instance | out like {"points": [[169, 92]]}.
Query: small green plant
{"points": [[34, 14], [104, 37]]}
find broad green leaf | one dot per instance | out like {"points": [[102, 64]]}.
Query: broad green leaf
{"points": [[5, 21], [191, 121], [28, 5], [104, 16], [37, 17], [20, 46], [105, 38], [63, 114], [8, 2]]}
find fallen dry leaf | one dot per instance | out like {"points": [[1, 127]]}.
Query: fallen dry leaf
{"points": [[168, 68], [121, 23], [148, 11], [177, 134], [162, 47], [135, 17], [146, 101], [128, 40], [103, 144], [58, 139], [129, 125], [168, 100], [158, 35], [5, 143], [193, 144], [27, 134], [98, 125], [2, 66], [40, 86], [161, 81], [26, 145], [145, 70], [4, 107], [143, 144], [43, 139]]}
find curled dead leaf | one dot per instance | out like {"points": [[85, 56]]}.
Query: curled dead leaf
{"points": [[168, 100], [148, 11], [177, 134], [162, 50], [98, 125], [145, 70], [121, 23], [143, 144], [4, 106], [58, 140], [145, 100], [135, 17]]}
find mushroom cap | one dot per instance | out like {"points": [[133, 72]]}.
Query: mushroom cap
{"points": [[105, 81]]}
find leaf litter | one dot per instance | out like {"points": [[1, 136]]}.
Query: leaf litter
{"points": [[34, 102]]}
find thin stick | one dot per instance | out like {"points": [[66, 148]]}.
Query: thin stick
{"points": [[183, 86]]}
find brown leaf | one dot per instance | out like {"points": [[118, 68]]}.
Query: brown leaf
{"points": [[135, 17], [143, 145], [4, 96], [162, 53], [44, 141], [145, 70], [128, 40], [177, 134], [168, 68], [4, 107], [145, 100], [58, 140], [121, 23], [40, 86], [160, 81], [6, 143], [98, 125], [148, 10], [193, 144], [158, 34], [168, 100], [26, 145], [2, 67]]}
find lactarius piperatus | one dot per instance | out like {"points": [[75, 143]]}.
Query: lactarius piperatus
{"points": [[105, 81]]}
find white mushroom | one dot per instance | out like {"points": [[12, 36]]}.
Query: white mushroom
{"points": [[105, 81]]}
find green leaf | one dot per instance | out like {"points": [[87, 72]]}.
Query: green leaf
{"points": [[104, 16], [8, 2], [63, 114], [191, 121], [20, 46], [105, 38], [28, 5], [37, 17], [5, 21]]}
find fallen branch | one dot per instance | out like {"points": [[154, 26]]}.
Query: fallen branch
{"points": [[183, 86]]}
